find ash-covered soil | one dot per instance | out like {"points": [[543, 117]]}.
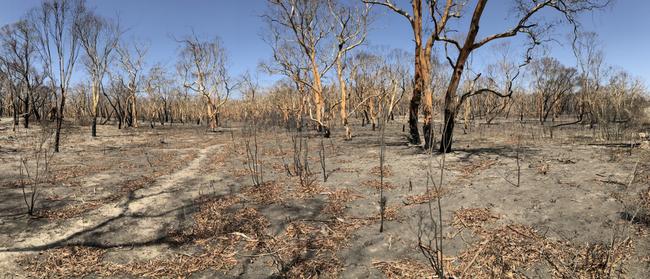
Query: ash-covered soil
{"points": [[179, 201]]}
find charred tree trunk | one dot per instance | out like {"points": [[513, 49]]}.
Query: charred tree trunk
{"points": [[451, 106], [59, 122], [94, 127], [26, 111], [418, 82], [15, 111], [447, 131], [414, 133]]}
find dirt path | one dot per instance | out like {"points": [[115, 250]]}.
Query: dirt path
{"points": [[144, 217]]}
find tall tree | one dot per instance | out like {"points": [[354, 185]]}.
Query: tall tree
{"points": [[131, 61], [54, 22], [99, 37], [526, 23], [440, 13], [306, 22], [203, 65], [552, 81], [591, 71], [350, 25], [19, 54], [9, 84]]}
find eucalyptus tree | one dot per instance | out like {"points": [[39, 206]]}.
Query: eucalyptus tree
{"points": [[423, 37], [19, 54], [527, 22], [552, 82], [131, 63], [307, 25], [99, 38], [351, 28], [54, 23], [203, 66]]}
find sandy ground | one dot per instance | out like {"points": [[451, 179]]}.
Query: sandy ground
{"points": [[179, 202]]}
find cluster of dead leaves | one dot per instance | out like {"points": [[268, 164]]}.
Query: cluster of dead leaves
{"points": [[67, 174], [169, 162], [269, 192], [425, 197], [240, 172], [308, 249], [337, 200], [308, 188], [215, 217], [406, 268], [377, 171], [644, 197], [72, 261], [79, 261], [68, 211], [215, 161], [78, 208], [376, 184], [510, 251], [475, 167], [473, 218], [135, 184], [219, 226]]}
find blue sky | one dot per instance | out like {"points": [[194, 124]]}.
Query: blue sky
{"points": [[623, 28]]}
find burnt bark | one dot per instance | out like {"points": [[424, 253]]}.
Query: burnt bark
{"points": [[59, 122], [447, 132]]}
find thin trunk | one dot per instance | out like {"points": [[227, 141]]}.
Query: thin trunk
{"points": [[95, 108], [344, 98], [428, 99], [26, 111], [134, 112], [319, 102], [59, 122], [14, 109]]}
